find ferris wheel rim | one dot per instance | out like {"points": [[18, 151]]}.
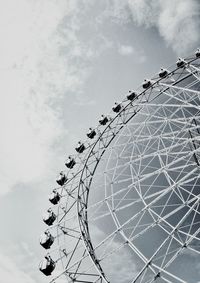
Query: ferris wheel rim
{"points": [[154, 83], [84, 163]]}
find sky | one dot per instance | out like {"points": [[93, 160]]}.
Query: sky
{"points": [[63, 64]]}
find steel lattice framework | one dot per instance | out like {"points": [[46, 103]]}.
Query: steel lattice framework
{"points": [[149, 154]]}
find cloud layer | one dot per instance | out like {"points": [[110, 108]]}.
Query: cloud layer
{"points": [[10, 273], [36, 73], [178, 22], [44, 61], [29, 125], [125, 50], [44, 55]]}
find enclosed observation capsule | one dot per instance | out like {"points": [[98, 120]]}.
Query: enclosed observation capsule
{"points": [[103, 120], [117, 107], [80, 147], [91, 133], [61, 179], [47, 266], [54, 197], [146, 84], [197, 53], [46, 240], [180, 63], [163, 73], [49, 217], [131, 95], [70, 162]]}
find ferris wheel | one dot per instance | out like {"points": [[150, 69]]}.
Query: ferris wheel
{"points": [[127, 208]]}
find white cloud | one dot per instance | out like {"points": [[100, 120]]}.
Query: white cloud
{"points": [[44, 56], [37, 68], [34, 77], [125, 50], [178, 22], [10, 273], [29, 124]]}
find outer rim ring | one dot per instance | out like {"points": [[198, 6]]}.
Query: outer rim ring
{"points": [[84, 188], [84, 174]]}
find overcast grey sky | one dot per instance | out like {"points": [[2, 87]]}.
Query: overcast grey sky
{"points": [[63, 64]]}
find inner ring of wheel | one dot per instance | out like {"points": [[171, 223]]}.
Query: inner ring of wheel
{"points": [[97, 151]]}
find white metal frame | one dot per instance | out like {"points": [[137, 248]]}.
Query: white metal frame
{"points": [[75, 250]]}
